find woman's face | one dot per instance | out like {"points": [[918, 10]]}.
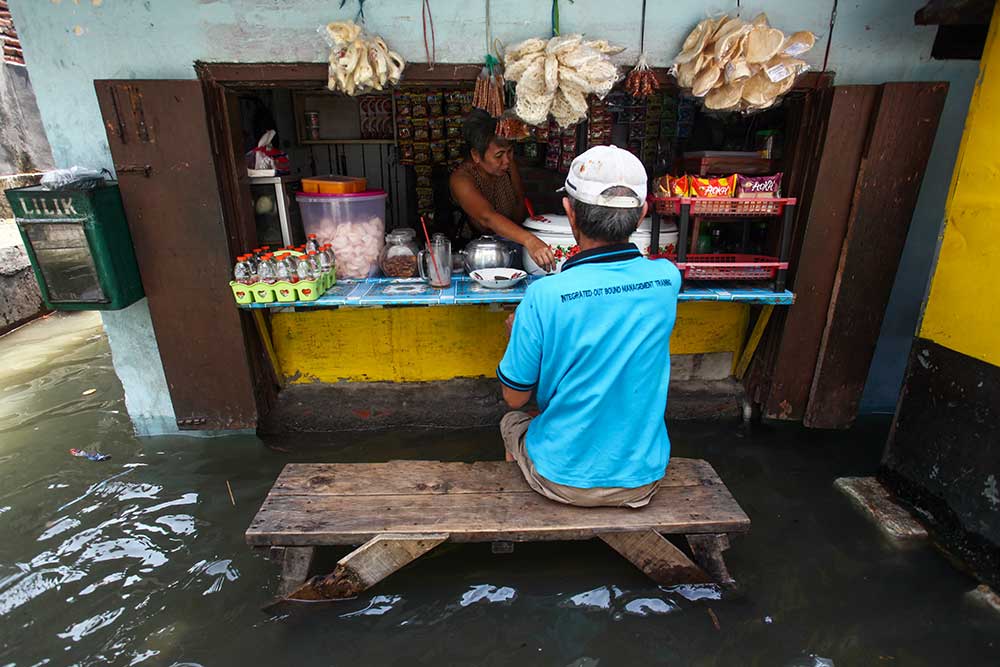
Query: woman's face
{"points": [[496, 160]]}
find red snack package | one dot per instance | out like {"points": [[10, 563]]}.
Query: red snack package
{"points": [[680, 186], [758, 187], [712, 187]]}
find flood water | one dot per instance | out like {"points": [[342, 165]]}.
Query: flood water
{"points": [[140, 559]]}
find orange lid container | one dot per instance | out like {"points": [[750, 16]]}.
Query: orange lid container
{"points": [[334, 185]]}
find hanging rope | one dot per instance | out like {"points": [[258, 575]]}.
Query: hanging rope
{"points": [[829, 36], [360, 16], [642, 30], [555, 17], [489, 28], [426, 17], [641, 81], [498, 49]]}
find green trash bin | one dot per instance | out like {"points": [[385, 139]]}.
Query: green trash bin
{"points": [[79, 246]]}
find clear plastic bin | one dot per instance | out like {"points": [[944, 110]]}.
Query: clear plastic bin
{"points": [[354, 224]]}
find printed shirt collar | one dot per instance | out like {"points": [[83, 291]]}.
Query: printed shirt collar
{"points": [[617, 252]]}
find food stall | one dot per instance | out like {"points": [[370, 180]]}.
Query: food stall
{"points": [[717, 176]]}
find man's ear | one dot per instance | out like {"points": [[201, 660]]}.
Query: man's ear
{"points": [[571, 214], [568, 207]]}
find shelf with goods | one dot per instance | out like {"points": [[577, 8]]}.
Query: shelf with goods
{"points": [[726, 266]]}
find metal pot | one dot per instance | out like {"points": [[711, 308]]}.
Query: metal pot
{"points": [[487, 252]]}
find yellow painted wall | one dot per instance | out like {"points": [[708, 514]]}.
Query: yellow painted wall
{"points": [[444, 342], [963, 308]]}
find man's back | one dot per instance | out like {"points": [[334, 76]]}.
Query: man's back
{"points": [[594, 341]]}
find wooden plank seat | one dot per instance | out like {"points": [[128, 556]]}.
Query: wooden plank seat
{"points": [[400, 510]]}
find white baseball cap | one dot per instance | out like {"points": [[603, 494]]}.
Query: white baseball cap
{"points": [[602, 167]]}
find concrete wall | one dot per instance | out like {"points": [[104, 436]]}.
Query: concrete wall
{"points": [[23, 150], [23, 145], [69, 44], [20, 299]]}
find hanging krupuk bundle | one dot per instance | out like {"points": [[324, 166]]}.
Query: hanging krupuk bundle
{"points": [[360, 62], [555, 76], [735, 65]]}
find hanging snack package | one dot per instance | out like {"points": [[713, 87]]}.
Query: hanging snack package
{"points": [[421, 130], [421, 153], [488, 95], [758, 187], [424, 173], [436, 125], [712, 187]]}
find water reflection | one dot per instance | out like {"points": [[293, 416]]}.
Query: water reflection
{"points": [[78, 631], [379, 605], [648, 606], [217, 572], [598, 598], [488, 593]]}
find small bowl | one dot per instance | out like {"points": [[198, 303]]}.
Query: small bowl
{"points": [[498, 278]]}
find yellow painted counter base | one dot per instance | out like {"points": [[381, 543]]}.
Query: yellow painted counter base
{"points": [[445, 342]]}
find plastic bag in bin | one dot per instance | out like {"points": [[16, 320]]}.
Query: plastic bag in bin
{"points": [[76, 177]]}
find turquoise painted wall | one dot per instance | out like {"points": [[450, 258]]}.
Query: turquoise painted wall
{"points": [[69, 43]]}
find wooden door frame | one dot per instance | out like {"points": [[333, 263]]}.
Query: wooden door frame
{"points": [[182, 254]]}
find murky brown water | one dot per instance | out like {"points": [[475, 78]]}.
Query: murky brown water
{"points": [[140, 559]]}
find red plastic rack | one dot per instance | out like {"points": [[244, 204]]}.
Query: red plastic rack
{"points": [[731, 266], [722, 206], [726, 266]]}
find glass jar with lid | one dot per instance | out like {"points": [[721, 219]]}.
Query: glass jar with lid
{"points": [[399, 256]]}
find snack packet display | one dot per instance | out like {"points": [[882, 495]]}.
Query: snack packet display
{"points": [[758, 187], [680, 186], [706, 187]]}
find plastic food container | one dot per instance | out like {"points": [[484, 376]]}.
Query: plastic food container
{"points": [[334, 185], [354, 224]]}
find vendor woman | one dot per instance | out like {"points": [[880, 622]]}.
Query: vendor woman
{"points": [[488, 187]]}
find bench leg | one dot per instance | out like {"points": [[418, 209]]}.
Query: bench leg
{"points": [[707, 550], [295, 563], [367, 565], [657, 557]]}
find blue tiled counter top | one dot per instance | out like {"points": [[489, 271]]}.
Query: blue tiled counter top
{"points": [[463, 290]]}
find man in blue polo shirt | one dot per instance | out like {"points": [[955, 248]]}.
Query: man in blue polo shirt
{"points": [[593, 343]]}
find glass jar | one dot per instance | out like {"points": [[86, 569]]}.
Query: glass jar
{"points": [[399, 256]]}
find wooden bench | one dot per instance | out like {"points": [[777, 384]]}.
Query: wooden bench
{"points": [[400, 510]]}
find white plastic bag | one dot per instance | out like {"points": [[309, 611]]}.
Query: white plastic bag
{"points": [[261, 159], [74, 177]]}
